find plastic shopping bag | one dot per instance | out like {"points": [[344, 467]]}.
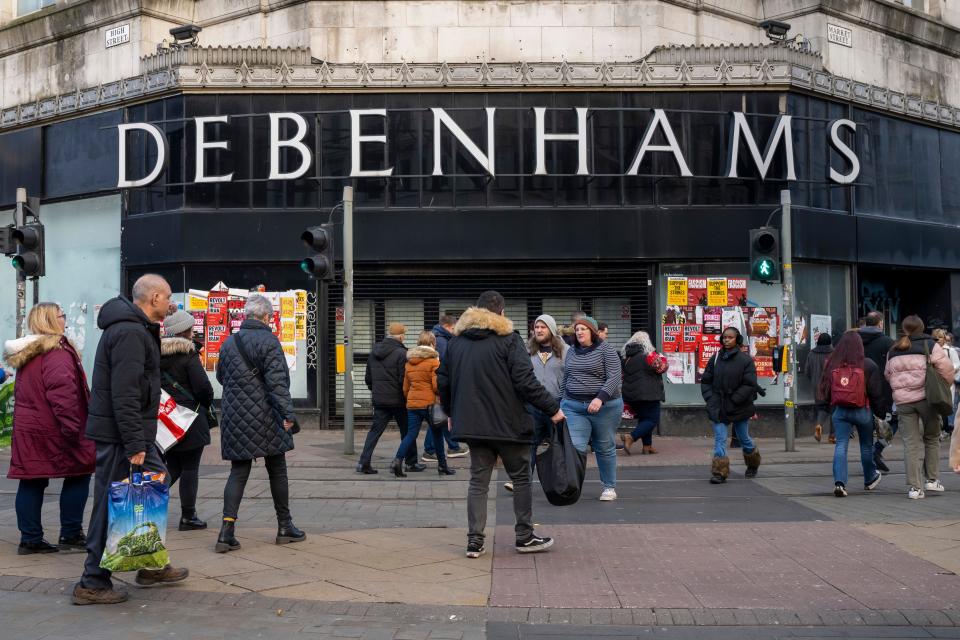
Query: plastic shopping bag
{"points": [[955, 447], [137, 524], [561, 468], [173, 421]]}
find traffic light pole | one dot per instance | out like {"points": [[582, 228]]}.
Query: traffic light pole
{"points": [[348, 320], [19, 219], [787, 333]]}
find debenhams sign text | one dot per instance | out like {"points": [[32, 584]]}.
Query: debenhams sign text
{"points": [[781, 137]]}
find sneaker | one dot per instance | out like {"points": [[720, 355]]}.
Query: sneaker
{"points": [[873, 484], [933, 485], [878, 461], [608, 495], [430, 457], [944, 436], [534, 544], [915, 494], [839, 490], [459, 452], [475, 549], [73, 543], [82, 596], [147, 577], [508, 486]]}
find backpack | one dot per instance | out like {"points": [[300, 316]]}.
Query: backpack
{"points": [[848, 387]]}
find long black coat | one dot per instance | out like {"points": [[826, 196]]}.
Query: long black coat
{"points": [[816, 360], [384, 375], [251, 425], [125, 393], [485, 379], [876, 347], [641, 382], [179, 360], [729, 386]]}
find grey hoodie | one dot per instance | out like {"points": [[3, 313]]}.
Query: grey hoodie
{"points": [[550, 374]]}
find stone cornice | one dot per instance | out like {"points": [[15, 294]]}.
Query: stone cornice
{"points": [[276, 69]]}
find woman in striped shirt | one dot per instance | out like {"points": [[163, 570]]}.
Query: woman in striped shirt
{"points": [[591, 399]]}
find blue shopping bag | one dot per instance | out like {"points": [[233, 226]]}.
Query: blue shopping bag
{"points": [[137, 524]]}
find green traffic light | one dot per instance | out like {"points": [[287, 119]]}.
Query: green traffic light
{"points": [[764, 269]]}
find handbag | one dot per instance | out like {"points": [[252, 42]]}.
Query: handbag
{"points": [[136, 523], [561, 468], [173, 421], [936, 388], [437, 415], [259, 375], [208, 412]]}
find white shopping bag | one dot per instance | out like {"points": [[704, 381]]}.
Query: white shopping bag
{"points": [[173, 421]]}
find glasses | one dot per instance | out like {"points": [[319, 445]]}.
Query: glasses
{"points": [[61, 316]]}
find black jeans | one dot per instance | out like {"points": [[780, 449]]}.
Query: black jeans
{"points": [[112, 466], [185, 467], [29, 502], [381, 418], [516, 461], [279, 489], [542, 430]]}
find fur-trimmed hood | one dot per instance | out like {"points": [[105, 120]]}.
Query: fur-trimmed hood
{"points": [[477, 319], [175, 346], [422, 352], [20, 351]]}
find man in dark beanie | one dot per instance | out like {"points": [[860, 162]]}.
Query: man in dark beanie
{"points": [[876, 346], [816, 360], [484, 381]]}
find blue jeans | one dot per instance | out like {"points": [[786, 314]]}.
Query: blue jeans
{"points": [[742, 431], [430, 447], [542, 430], [844, 421], [648, 417], [29, 502], [597, 429], [415, 418]]}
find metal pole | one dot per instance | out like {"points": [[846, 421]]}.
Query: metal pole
{"points": [[19, 220], [789, 386], [348, 319]]}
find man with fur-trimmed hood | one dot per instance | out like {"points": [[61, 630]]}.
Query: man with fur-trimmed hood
{"points": [[484, 381]]}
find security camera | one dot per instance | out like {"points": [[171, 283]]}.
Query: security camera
{"points": [[776, 30], [185, 32]]}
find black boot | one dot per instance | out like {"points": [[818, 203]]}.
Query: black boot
{"points": [[444, 470], [287, 533], [73, 543], [397, 467], [226, 541], [190, 522]]}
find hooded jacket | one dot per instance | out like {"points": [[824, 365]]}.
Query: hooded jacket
{"points": [[384, 375], [443, 338], [50, 409], [486, 378], [550, 373], [641, 382], [907, 370], [729, 386], [876, 346], [816, 360], [420, 377], [125, 396], [180, 362]]}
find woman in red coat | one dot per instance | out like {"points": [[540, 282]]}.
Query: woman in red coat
{"points": [[49, 420]]}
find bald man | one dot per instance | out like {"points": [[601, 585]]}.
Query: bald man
{"points": [[122, 421]]}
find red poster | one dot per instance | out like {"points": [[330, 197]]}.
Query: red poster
{"points": [[235, 306], [217, 302], [736, 292], [691, 338], [217, 331], [697, 292], [671, 337], [764, 365], [713, 320]]}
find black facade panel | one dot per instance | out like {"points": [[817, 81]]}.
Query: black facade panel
{"points": [[81, 155], [822, 235], [21, 164], [891, 242]]}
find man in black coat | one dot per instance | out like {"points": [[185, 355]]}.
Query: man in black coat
{"points": [[384, 378], [443, 331], [122, 421], [484, 381], [876, 346]]}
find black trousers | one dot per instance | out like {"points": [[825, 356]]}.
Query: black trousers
{"points": [[381, 418], [185, 467], [112, 466], [279, 488]]}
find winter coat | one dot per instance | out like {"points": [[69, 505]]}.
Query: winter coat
{"points": [[486, 378], [254, 407], [443, 338], [550, 373], [874, 383], [641, 382], [876, 346], [420, 377], [816, 360], [180, 361], [50, 410], [729, 386], [907, 370], [125, 397], [384, 375]]}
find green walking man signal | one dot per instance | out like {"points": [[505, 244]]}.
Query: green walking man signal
{"points": [[765, 254]]}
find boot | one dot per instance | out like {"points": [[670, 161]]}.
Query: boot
{"points": [[444, 470], [752, 460], [719, 470], [397, 467], [648, 450], [190, 522], [287, 533], [627, 443], [226, 541], [167, 575]]}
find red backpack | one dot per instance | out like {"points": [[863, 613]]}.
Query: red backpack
{"points": [[848, 387]]}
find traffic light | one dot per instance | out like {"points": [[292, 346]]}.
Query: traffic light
{"points": [[29, 258], [765, 254], [320, 240]]}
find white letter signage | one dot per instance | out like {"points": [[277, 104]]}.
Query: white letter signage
{"points": [[580, 137], [440, 117], [161, 143], [296, 142], [202, 145], [781, 129], [845, 151], [659, 120], [356, 139]]}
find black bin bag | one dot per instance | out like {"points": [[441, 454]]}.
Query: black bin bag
{"points": [[561, 468]]}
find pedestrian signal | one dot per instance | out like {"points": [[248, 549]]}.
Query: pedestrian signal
{"points": [[320, 265], [765, 254]]}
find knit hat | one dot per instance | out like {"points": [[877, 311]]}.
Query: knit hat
{"points": [[549, 321], [396, 329], [177, 324], [590, 324], [824, 339]]}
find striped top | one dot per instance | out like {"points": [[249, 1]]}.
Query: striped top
{"points": [[592, 372]]}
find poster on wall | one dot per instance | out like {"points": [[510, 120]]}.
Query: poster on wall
{"points": [[697, 292], [717, 292], [736, 292], [713, 320], [217, 324], [671, 334], [676, 291], [691, 338], [681, 368], [820, 324], [709, 346]]}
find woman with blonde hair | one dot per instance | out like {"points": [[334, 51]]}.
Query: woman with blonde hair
{"points": [[49, 418], [642, 389]]}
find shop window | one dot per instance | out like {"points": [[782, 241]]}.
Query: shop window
{"points": [[29, 6], [823, 302]]}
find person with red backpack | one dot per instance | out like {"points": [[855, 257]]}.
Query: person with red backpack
{"points": [[853, 387]]}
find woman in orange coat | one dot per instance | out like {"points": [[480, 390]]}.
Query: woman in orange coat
{"points": [[420, 389]]}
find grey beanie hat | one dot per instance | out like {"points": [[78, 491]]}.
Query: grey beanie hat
{"points": [[550, 322], [177, 324]]}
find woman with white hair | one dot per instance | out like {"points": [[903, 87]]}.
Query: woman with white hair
{"points": [[642, 389], [257, 418]]}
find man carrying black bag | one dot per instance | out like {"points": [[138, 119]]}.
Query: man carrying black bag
{"points": [[484, 381]]}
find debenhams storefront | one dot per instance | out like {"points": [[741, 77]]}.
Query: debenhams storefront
{"points": [[627, 192]]}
